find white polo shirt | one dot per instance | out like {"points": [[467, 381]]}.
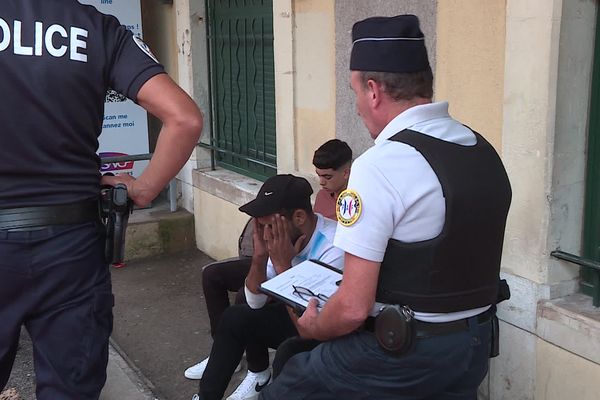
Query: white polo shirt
{"points": [[401, 197]]}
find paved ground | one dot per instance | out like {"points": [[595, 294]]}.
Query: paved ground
{"points": [[160, 319], [22, 378], [161, 328]]}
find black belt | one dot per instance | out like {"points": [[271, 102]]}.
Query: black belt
{"points": [[428, 329], [32, 217]]}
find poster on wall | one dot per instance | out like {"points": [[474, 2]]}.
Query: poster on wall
{"points": [[125, 126]]}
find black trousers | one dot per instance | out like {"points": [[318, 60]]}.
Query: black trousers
{"points": [[354, 367], [239, 326], [55, 282], [218, 279], [288, 349]]}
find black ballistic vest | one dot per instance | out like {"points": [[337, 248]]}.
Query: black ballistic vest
{"points": [[459, 269]]}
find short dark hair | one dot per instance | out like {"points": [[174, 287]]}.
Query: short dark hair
{"points": [[402, 85], [332, 154]]}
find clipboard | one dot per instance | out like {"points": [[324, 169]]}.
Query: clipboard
{"points": [[318, 277]]}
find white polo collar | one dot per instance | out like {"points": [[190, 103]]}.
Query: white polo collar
{"points": [[413, 116]]}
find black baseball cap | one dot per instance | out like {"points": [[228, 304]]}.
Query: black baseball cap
{"points": [[280, 192]]}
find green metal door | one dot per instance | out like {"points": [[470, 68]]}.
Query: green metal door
{"points": [[243, 85], [591, 278]]}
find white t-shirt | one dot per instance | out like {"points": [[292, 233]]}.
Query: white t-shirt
{"points": [[319, 247], [401, 196]]}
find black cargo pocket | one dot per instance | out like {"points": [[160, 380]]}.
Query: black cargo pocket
{"points": [[89, 377], [102, 323], [94, 374]]}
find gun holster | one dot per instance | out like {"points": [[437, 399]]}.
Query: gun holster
{"points": [[115, 208], [395, 329]]}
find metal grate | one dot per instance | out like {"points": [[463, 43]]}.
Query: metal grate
{"points": [[591, 265], [243, 86]]}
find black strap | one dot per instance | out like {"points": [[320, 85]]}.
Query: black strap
{"points": [[428, 329], [31, 217]]}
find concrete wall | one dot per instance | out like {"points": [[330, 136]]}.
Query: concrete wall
{"points": [[349, 127], [193, 77], [284, 51], [470, 63], [158, 23], [549, 49], [304, 81], [315, 81], [548, 58], [562, 375], [532, 45], [217, 231]]}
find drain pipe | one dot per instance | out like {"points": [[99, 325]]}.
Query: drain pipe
{"points": [[173, 195]]}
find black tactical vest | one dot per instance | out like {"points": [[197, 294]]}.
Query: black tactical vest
{"points": [[459, 269]]}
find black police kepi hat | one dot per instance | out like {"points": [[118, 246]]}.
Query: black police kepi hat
{"points": [[388, 44], [280, 192]]}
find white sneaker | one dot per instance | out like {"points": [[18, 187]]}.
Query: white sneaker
{"points": [[252, 384], [197, 370], [195, 397]]}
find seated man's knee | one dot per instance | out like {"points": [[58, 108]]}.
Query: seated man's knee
{"points": [[237, 318], [210, 273]]}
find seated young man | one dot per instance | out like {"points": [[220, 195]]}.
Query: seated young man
{"points": [[332, 161], [286, 232]]}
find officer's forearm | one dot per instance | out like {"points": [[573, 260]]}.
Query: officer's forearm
{"points": [[182, 126], [337, 319], [175, 144]]}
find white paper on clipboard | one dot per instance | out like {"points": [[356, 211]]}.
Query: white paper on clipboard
{"points": [[318, 277]]}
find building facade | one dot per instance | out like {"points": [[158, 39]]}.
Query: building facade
{"points": [[272, 78]]}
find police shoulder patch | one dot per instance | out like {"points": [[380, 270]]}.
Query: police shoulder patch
{"points": [[144, 47], [348, 207]]}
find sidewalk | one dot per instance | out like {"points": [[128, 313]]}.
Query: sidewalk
{"points": [[160, 321], [123, 381], [160, 328]]}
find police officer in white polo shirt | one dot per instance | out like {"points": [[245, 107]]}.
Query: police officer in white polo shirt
{"points": [[422, 224], [58, 59]]}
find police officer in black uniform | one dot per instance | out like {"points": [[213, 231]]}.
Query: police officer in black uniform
{"points": [[58, 59], [422, 224]]}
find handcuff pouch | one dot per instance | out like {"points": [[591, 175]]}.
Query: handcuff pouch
{"points": [[395, 329]]}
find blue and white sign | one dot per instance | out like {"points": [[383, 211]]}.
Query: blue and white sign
{"points": [[125, 126]]}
